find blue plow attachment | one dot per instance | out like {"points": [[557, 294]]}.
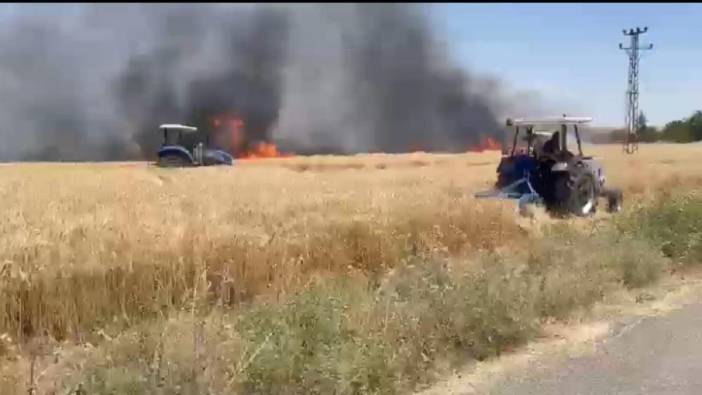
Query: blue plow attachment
{"points": [[515, 191]]}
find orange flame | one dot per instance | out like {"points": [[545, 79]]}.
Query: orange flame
{"points": [[263, 149], [487, 144], [238, 140]]}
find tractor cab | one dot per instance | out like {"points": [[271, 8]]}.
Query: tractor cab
{"points": [[185, 146], [548, 136], [540, 142], [176, 135]]}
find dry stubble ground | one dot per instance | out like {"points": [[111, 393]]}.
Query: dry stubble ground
{"points": [[96, 253]]}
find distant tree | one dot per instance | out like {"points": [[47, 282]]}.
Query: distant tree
{"points": [[643, 122], [678, 132], [695, 125], [647, 134]]}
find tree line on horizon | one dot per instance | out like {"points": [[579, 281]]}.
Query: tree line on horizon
{"points": [[686, 130]]}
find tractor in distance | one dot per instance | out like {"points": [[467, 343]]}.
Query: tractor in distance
{"points": [[546, 172], [185, 146]]}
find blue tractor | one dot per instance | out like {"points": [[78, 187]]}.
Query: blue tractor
{"points": [[546, 172], [184, 146]]}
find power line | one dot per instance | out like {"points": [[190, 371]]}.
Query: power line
{"points": [[631, 143]]}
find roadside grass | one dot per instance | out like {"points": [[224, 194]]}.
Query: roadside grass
{"points": [[672, 224]]}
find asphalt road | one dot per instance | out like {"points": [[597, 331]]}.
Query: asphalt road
{"points": [[656, 355]]}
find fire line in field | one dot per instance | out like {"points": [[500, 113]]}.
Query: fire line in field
{"points": [[234, 137], [230, 132], [487, 144]]}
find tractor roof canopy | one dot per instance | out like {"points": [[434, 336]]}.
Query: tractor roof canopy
{"points": [[556, 127], [548, 121], [176, 126]]}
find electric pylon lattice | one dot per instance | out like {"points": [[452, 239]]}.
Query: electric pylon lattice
{"points": [[631, 140]]}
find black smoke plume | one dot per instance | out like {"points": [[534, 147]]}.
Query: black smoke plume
{"points": [[240, 76], [93, 82], [409, 93]]}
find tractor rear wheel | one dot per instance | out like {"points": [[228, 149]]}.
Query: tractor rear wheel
{"points": [[575, 192], [172, 161]]}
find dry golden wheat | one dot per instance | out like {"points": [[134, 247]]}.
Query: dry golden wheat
{"points": [[91, 249], [87, 245]]}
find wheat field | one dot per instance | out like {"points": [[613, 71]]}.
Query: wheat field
{"points": [[83, 237], [85, 247]]}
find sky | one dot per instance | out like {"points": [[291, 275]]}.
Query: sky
{"points": [[570, 53]]}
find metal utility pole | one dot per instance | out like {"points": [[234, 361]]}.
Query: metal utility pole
{"points": [[631, 142]]}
